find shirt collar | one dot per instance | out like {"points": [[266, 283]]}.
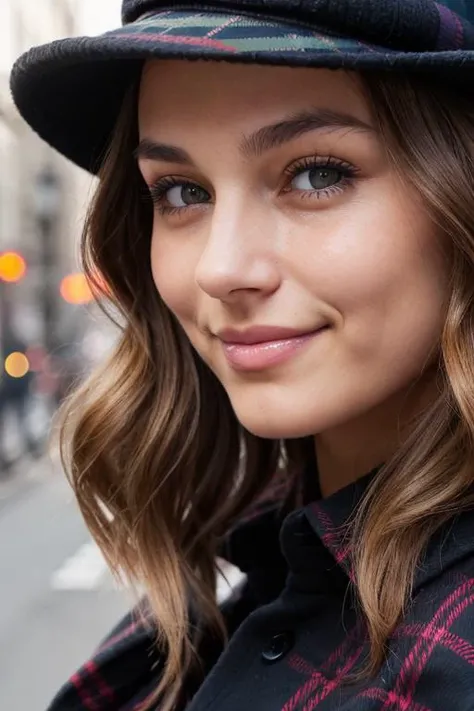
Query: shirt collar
{"points": [[260, 542], [329, 518]]}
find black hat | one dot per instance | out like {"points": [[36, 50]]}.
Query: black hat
{"points": [[70, 91]]}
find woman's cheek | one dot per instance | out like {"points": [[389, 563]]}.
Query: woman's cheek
{"points": [[175, 284]]}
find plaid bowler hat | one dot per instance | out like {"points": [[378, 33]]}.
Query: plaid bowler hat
{"points": [[70, 91]]}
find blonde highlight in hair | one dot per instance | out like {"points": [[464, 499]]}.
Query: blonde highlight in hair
{"points": [[161, 467]]}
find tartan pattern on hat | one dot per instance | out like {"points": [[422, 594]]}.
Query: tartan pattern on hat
{"points": [[409, 25], [463, 8], [451, 33], [233, 33]]}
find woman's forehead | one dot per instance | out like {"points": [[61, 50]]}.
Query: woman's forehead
{"points": [[183, 91]]}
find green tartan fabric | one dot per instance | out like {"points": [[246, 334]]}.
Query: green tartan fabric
{"points": [[237, 33]]}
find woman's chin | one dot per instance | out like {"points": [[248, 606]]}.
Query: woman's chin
{"points": [[279, 427], [269, 413]]}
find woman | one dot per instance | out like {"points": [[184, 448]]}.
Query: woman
{"points": [[291, 249]]}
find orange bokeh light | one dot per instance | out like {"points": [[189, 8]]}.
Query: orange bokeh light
{"points": [[75, 289], [12, 266], [17, 365]]}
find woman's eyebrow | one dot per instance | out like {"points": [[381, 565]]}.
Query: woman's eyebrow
{"points": [[265, 138], [274, 135]]}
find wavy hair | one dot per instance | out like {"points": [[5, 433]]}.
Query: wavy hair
{"points": [[157, 459]]}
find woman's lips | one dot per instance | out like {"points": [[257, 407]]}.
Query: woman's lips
{"points": [[265, 354]]}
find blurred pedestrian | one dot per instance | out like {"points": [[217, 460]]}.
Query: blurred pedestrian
{"points": [[15, 393]]}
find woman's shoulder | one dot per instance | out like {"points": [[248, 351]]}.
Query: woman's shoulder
{"points": [[449, 557], [126, 667], [442, 609], [434, 645], [123, 666]]}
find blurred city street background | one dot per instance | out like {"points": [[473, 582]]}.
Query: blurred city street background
{"points": [[57, 599]]}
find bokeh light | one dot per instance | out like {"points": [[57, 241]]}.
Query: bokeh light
{"points": [[75, 289], [17, 365], [12, 266]]}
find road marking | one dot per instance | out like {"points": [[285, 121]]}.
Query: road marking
{"points": [[85, 570], [227, 581]]}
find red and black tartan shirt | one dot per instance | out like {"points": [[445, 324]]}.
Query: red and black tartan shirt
{"points": [[295, 634]]}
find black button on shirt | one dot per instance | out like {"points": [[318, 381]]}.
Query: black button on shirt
{"points": [[296, 609], [279, 645]]}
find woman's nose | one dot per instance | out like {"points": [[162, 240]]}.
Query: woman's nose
{"points": [[240, 253]]}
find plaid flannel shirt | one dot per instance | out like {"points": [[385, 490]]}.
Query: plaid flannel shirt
{"points": [[295, 631]]}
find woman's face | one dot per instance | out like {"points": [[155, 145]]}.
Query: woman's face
{"points": [[304, 272]]}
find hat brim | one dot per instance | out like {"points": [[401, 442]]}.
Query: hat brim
{"points": [[70, 91]]}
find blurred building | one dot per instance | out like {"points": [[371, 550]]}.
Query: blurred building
{"points": [[43, 200], [49, 245]]}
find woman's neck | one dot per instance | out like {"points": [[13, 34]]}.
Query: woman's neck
{"points": [[353, 449]]}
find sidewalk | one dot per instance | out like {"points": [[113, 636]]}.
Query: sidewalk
{"points": [[25, 474]]}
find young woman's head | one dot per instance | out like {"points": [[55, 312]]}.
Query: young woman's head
{"points": [[330, 214], [277, 214]]}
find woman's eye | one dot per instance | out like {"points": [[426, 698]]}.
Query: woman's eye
{"points": [[320, 177], [317, 179], [185, 194], [171, 195]]}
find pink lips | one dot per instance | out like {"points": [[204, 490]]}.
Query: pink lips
{"points": [[261, 347]]}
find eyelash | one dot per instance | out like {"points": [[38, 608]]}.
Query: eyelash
{"points": [[158, 190]]}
